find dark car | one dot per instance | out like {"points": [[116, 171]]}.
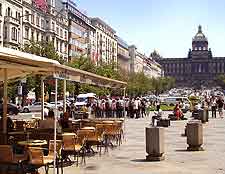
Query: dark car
{"points": [[11, 109]]}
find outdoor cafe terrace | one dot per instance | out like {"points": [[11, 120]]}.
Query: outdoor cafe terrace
{"points": [[27, 147]]}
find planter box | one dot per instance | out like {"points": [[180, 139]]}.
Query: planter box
{"points": [[194, 135], [154, 143], [163, 123]]}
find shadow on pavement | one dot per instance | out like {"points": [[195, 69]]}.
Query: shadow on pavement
{"points": [[142, 160]]}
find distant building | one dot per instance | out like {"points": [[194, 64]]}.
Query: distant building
{"points": [[199, 68], [106, 48], [141, 63], [123, 56], [82, 40]]}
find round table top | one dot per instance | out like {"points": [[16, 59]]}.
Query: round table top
{"points": [[18, 133], [88, 128], [33, 143], [110, 122], [69, 134]]}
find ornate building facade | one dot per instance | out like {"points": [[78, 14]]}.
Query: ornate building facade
{"points": [[199, 68], [106, 43], [22, 21], [82, 41]]}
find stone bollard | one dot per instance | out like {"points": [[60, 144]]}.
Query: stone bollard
{"points": [[154, 143], [207, 114], [194, 135], [202, 115]]}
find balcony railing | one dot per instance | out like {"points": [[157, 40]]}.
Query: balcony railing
{"points": [[13, 20]]}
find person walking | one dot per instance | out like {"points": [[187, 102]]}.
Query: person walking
{"points": [[220, 104], [143, 108], [213, 107], [137, 108]]}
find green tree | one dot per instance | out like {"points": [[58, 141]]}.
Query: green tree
{"points": [[220, 80], [44, 49]]}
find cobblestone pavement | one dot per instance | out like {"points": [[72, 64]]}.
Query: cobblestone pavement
{"points": [[129, 158]]}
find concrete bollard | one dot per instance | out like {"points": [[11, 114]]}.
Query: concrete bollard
{"points": [[154, 143], [194, 135]]}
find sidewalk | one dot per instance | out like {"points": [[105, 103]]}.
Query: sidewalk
{"points": [[129, 158]]}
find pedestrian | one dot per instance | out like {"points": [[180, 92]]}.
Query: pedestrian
{"points": [[220, 104], [143, 108], [157, 105], [137, 108], [107, 108], [113, 108], [102, 106], [131, 108], [213, 107], [118, 110]]}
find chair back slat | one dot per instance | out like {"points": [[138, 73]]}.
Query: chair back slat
{"points": [[51, 147], [6, 153], [36, 156]]}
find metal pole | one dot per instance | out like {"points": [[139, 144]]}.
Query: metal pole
{"points": [[42, 98], [64, 95], [124, 107], [5, 101], [124, 93], [55, 124]]}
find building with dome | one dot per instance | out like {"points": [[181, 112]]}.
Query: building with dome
{"points": [[199, 68]]}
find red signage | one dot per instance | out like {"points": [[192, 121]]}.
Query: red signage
{"points": [[41, 4]]}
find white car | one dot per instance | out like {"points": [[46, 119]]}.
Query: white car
{"points": [[36, 107], [59, 105]]}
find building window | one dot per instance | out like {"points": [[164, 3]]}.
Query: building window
{"points": [[0, 9], [53, 26], [57, 30], [37, 36], [47, 38], [57, 45], [26, 33], [32, 19], [61, 33], [32, 35], [61, 47], [27, 15], [65, 35], [5, 32], [14, 34], [42, 23], [38, 21], [8, 12]]}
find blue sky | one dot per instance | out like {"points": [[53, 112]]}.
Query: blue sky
{"points": [[165, 25]]}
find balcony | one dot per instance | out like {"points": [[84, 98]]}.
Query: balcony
{"points": [[12, 20]]}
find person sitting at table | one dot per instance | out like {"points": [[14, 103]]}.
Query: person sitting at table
{"points": [[49, 122], [10, 124], [64, 120]]}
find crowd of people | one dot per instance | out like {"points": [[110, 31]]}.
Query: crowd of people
{"points": [[131, 107]]}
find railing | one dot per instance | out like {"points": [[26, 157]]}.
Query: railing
{"points": [[11, 19]]}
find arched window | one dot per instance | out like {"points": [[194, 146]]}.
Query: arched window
{"points": [[8, 11], [204, 48], [14, 34], [200, 48]]}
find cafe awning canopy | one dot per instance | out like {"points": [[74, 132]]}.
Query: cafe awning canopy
{"points": [[20, 64]]}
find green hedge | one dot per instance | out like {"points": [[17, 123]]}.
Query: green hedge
{"points": [[163, 107]]}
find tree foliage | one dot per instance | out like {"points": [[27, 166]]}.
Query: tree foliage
{"points": [[220, 80]]}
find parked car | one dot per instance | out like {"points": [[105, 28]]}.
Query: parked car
{"points": [[59, 105], [11, 109], [36, 107]]}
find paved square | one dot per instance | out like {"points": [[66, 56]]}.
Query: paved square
{"points": [[129, 157]]}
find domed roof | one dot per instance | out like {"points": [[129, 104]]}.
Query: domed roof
{"points": [[200, 36]]}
